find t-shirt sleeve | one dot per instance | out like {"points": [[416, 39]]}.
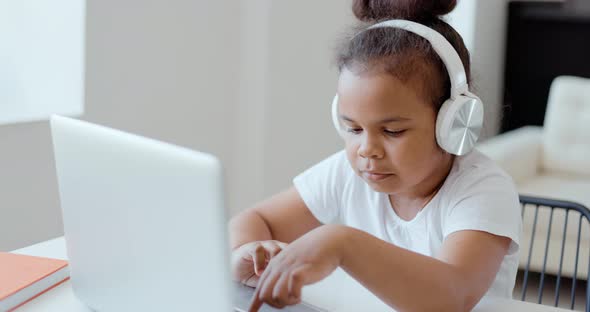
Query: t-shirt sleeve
{"points": [[488, 204], [321, 186]]}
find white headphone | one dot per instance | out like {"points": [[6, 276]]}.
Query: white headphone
{"points": [[460, 118]]}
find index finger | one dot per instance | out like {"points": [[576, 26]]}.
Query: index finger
{"points": [[256, 303]]}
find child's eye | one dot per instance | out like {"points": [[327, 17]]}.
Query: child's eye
{"points": [[394, 133], [354, 130]]}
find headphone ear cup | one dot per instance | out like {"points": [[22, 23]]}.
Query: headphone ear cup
{"points": [[335, 119], [441, 122], [459, 123]]}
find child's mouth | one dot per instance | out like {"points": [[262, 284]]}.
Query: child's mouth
{"points": [[375, 177]]}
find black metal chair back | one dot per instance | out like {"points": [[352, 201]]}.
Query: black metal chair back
{"points": [[567, 209]]}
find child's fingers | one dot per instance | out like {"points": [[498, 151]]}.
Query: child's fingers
{"points": [[262, 252], [272, 249], [257, 299], [280, 293], [256, 303], [259, 259], [295, 283], [266, 284]]}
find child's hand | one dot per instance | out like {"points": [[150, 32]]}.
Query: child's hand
{"points": [[249, 260], [307, 260]]}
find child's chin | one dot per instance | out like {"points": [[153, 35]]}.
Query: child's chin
{"points": [[381, 187]]}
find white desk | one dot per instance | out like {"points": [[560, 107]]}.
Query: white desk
{"points": [[339, 292]]}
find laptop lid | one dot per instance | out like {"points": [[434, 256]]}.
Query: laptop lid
{"points": [[144, 221]]}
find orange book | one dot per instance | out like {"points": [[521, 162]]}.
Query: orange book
{"points": [[23, 278]]}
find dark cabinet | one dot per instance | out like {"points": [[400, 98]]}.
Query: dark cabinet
{"points": [[544, 40]]}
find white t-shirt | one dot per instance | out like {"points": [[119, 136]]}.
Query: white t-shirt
{"points": [[476, 195]]}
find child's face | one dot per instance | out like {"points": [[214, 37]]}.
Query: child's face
{"points": [[390, 132]]}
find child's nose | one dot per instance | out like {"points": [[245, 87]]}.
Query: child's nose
{"points": [[370, 148]]}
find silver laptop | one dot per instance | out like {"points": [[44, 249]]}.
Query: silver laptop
{"points": [[144, 223]]}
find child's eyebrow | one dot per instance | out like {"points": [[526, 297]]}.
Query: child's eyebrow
{"points": [[386, 120]]}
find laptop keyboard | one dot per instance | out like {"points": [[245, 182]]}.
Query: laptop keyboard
{"points": [[243, 295]]}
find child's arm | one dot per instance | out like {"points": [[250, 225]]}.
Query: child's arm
{"points": [[453, 281], [283, 217], [405, 280]]}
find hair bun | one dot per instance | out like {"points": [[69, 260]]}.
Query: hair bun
{"points": [[414, 10]]}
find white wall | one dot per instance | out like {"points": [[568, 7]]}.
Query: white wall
{"points": [[157, 68], [289, 100], [482, 24]]}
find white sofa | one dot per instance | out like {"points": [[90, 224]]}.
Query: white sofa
{"points": [[552, 161]]}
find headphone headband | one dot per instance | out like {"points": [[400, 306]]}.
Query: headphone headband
{"points": [[441, 45]]}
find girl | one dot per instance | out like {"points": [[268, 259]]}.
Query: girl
{"points": [[421, 228]]}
